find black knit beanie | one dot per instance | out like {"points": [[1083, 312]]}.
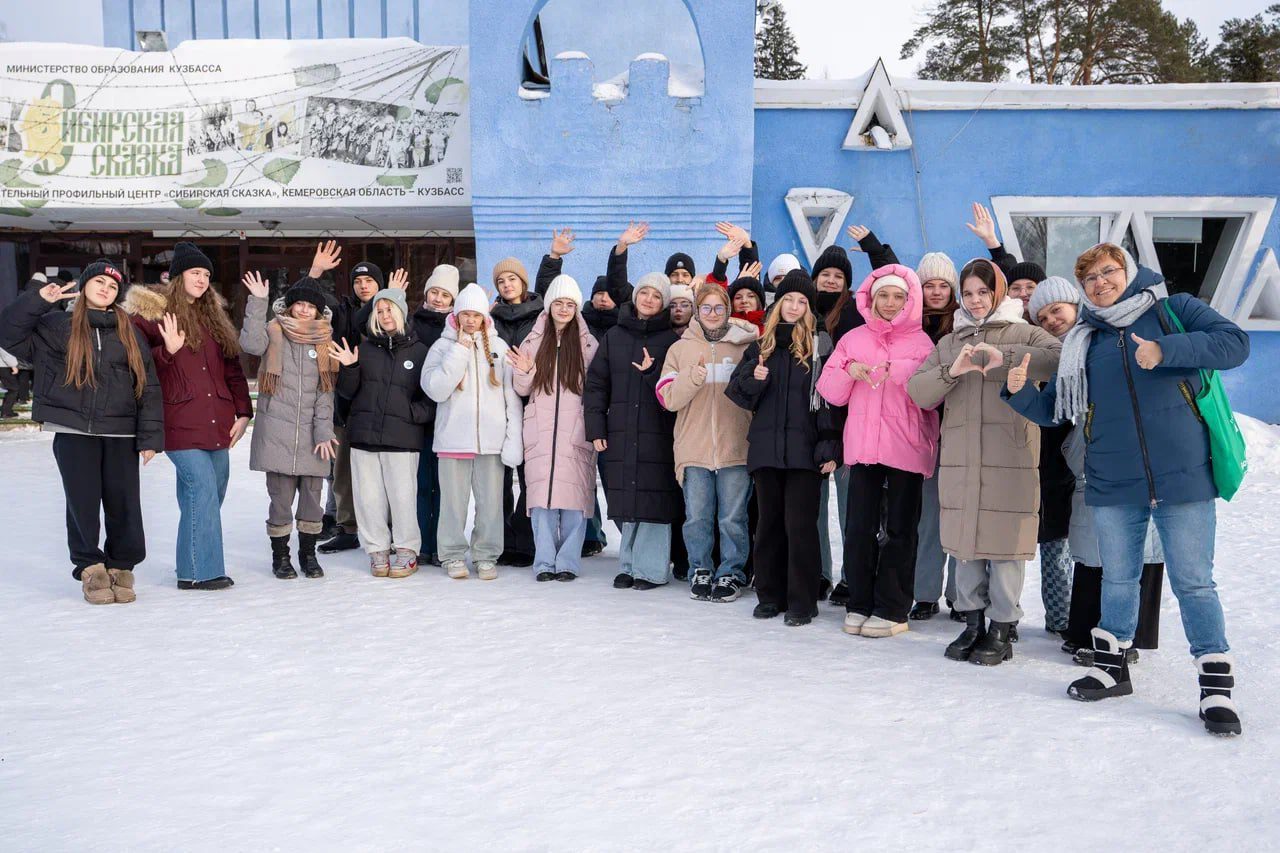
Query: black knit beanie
{"points": [[370, 269], [747, 282], [601, 285], [797, 281], [187, 256], [834, 256], [1027, 269], [102, 266], [680, 261], [306, 290]]}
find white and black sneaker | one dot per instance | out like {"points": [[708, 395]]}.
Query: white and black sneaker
{"points": [[700, 585], [727, 588]]}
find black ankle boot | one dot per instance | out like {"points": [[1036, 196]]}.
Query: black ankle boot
{"points": [[307, 555], [996, 647], [1217, 679], [975, 629], [281, 567], [1110, 673]]}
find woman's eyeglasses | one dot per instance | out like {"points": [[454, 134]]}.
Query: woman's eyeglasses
{"points": [[709, 310], [1091, 280]]}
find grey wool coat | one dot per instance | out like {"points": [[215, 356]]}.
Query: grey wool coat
{"points": [[290, 423]]}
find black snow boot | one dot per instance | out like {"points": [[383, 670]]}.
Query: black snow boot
{"points": [[840, 595], [281, 567], [923, 610], [824, 589], [1217, 679], [307, 555], [1110, 673], [975, 629], [342, 541], [328, 527], [996, 647]]}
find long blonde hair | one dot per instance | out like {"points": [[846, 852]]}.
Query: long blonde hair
{"points": [[375, 328], [801, 336]]}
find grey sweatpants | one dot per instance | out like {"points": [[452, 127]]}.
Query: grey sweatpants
{"points": [[931, 560], [991, 585], [310, 514], [385, 486], [460, 480]]}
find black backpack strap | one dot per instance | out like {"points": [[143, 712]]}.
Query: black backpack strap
{"points": [[1162, 312]]}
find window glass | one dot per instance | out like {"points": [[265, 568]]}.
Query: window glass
{"points": [[1054, 242], [1193, 251]]}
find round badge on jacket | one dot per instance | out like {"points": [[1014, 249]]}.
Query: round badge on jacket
{"points": [[311, 353], [408, 365]]}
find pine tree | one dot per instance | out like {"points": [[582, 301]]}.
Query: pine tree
{"points": [[967, 39], [776, 47], [1249, 51]]}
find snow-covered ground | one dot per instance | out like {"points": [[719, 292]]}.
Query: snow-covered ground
{"points": [[426, 713]]}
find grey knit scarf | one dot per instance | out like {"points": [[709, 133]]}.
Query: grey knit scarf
{"points": [[1073, 385]]}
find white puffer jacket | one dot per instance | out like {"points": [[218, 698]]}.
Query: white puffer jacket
{"points": [[478, 418]]}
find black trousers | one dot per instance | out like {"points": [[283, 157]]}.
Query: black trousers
{"points": [[100, 475], [517, 530], [787, 565], [1086, 606], [881, 577], [17, 388]]}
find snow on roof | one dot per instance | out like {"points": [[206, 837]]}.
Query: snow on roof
{"points": [[571, 54], [942, 95]]}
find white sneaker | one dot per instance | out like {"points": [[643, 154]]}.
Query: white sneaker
{"points": [[853, 623], [878, 627], [487, 571], [457, 569]]}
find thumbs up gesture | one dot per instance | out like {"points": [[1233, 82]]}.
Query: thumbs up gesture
{"points": [[700, 371], [761, 372], [1148, 355], [1018, 376]]}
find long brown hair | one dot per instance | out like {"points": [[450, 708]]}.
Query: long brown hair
{"points": [[80, 348], [559, 362], [801, 336], [206, 314], [946, 315], [833, 316]]}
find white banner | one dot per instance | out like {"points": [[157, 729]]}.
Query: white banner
{"points": [[219, 128]]}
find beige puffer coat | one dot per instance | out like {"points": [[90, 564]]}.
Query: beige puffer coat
{"points": [[988, 473]]}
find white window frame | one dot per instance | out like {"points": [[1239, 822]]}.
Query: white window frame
{"points": [[1119, 213]]}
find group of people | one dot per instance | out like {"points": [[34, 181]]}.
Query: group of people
{"points": [[966, 418]]}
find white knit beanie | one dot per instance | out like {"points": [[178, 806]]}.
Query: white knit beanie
{"points": [[659, 282], [563, 287], [681, 291], [781, 265], [445, 277], [889, 281], [472, 298], [938, 265], [1053, 289]]}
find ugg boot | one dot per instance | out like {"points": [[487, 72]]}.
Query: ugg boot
{"points": [[1217, 679], [975, 629], [1110, 673], [995, 647], [97, 585], [122, 585], [307, 555], [281, 565]]}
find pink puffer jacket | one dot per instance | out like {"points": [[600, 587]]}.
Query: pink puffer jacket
{"points": [[555, 436], [884, 426]]}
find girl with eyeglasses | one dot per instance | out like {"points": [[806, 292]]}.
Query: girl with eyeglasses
{"points": [[711, 442]]}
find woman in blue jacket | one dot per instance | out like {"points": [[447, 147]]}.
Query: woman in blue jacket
{"points": [[1131, 383]]}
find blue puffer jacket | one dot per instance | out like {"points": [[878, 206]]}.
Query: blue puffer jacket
{"points": [[1144, 438]]}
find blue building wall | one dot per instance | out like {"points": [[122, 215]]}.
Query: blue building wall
{"points": [[966, 157], [572, 160], [437, 22]]}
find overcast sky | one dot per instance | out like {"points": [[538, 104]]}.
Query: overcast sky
{"points": [[845, 38]]}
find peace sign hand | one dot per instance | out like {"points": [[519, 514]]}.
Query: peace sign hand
{"points": [[55, 292], [561, 242], [399, 280], [645, 363], [254, 283], [174, 337], [328, 255], [344, 354]]}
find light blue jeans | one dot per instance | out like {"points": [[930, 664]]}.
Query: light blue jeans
{"points": [[824, 523], [1187, 533], [557, 540], [711, 498], [645, 552], [202, 485]]}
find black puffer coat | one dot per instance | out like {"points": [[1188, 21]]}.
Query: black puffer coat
{"points": [[38, 332], [389, 410], [784, 433], [622, 407], [513, 323]]}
